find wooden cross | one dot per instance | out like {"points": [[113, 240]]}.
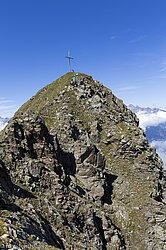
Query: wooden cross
{"points": [[69, 60]]}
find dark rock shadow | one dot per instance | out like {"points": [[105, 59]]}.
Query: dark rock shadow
{"points": [[10, 207], [30, 142], [21, 193], [77, 190], [66, 159], [75, 132], [108, 188], [9, 187], [50, 237], [121, 237], [99, 226]]}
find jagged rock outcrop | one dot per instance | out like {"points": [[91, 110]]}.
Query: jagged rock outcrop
{"points": [[76, 172]]}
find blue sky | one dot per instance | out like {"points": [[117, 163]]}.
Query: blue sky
{"points": [[121, 43]]}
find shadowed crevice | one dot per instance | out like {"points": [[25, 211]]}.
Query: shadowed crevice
{"points": [[99, 226], [66, 159], [108, 188]]}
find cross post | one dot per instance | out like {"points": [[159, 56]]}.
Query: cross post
{"points": [[69, 60]]}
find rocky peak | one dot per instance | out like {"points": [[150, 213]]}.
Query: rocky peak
{"points": [[78, 173]]}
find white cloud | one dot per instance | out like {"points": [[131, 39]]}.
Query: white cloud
{"points": [[162, 77], [112, 38], [2, 125], [162, 69], [151, 119], [137, 39], [5, 101], [7, 107], [128, 88]]}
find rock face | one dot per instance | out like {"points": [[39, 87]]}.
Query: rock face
{"points": [[76, 172]]}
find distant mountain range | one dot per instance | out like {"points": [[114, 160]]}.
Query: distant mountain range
{"points": [[153, 122], [3, 122], [137, 109]]}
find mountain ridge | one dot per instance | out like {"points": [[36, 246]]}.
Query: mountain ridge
{"points": [[82, 174]]}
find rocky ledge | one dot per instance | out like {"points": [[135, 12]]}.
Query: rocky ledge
{"points": [[77, 172]]}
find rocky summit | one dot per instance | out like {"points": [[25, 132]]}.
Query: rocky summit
{"points": [[77, 172]]}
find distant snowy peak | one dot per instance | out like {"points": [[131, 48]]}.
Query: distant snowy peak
{"points": [[3, 122], [149, 116], [147, 110]]}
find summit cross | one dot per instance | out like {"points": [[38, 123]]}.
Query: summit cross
{"points": [[69, 60]]}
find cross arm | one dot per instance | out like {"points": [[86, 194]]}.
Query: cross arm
{"points": [[69, 57]]}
